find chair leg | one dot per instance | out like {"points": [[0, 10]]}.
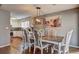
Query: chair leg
{"points": [[47, 49], [59, 48], [29, 49], [67, 52], [41, 51], [34, 50], [52, 50]]}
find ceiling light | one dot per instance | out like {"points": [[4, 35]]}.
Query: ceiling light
{"points": [[38, 20]]}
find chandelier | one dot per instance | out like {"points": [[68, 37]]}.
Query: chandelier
{"points": [[38, 14], [39, 19]]}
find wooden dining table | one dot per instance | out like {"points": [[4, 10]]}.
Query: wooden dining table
{"points": [[57, 40]]}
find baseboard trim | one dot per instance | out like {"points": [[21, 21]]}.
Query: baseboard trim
{"points": [[1, 46], [74, 46]]}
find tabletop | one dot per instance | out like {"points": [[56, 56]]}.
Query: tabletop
{"points": [[53, 38]]}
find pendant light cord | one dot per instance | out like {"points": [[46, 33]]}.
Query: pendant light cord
{"points": [[38, 11]]}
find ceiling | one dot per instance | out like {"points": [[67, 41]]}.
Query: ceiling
{"points": [[25, 10]]}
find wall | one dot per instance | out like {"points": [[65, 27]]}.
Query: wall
{"points": [[4, 28], [78, 28], [69, 21]]}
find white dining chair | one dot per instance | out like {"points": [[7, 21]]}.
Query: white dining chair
{"points": [[65, 43], [30, 39], [41, 44]]}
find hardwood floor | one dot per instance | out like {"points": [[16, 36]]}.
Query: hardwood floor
{"points": [[74, 50], [38, 51], [71, 50], [5, 50]]}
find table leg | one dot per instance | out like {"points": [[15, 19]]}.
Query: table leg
{"points": [[59, 48]]}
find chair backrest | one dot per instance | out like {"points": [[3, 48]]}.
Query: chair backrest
{"points": [[67, 41], [40, 37], [31, 36]]}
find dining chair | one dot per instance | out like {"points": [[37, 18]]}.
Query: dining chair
{"points": [[65, 43], [30, 39], [19, 32], [41, 45], [26, 42]]}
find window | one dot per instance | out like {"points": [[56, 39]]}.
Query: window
{"points": [[25, 24]]}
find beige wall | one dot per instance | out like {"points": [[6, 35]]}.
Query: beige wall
{"points": [[69, 21], [4, 28]]}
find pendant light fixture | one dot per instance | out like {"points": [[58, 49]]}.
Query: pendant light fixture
{"points": [[38, 14], [38, 20]]}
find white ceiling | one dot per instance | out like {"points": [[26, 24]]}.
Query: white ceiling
{"points": [[25, 10]]}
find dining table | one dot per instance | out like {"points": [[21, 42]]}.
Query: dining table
{"points": [[57, 40]]}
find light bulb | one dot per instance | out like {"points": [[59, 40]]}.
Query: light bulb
{"points": [[37, 20]]}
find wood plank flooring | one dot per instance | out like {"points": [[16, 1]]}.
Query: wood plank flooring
{"points": [[7, 50]]}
